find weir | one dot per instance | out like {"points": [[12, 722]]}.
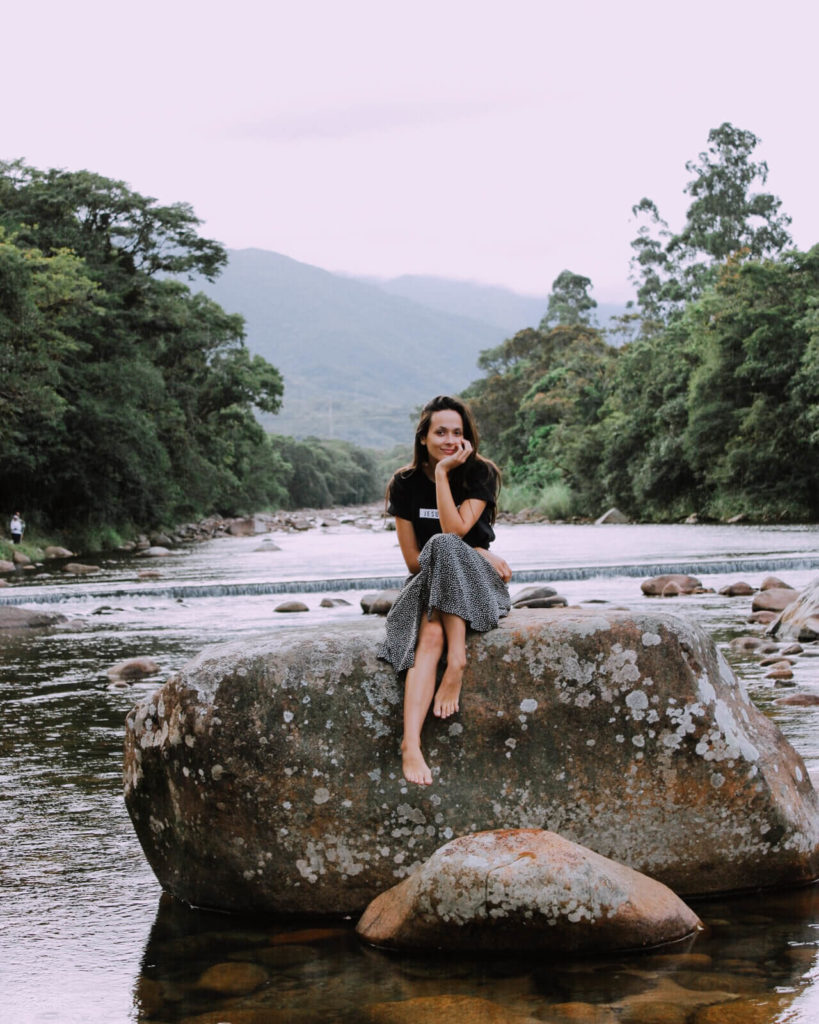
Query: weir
{"points": [[553, 575]]}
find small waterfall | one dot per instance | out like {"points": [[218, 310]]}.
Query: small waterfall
{"points": [[553, 575]]}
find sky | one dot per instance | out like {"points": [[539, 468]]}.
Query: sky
{"points": [[499, 142]]}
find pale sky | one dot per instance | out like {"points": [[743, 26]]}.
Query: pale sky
{"points": [[498, 142]]}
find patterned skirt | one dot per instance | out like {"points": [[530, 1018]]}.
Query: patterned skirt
{"points": [[453, 578]]}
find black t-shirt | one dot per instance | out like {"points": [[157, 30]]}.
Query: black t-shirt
{"points": [[412, 497]]}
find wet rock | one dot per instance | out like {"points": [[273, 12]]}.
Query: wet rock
{"points": [[800, 619], [780, 673], [556, 601], [333, 602], [291, 606], [154, 552], [773, 599], [762, 1009], [7, 566], [581, 1013], [444, 1009], [799, 700], [149, 574], [14, 618], [654, 1012], [533, 594], [763, 618], [133, 668], [738, 589], [268, 545], [792, 649], [614, 516], [655, 586], [79, 569], [524, 889], [233, 978], [20, 559], [54, 551], [746, 644], [774, 583], [271, 764], [379, 604], [4, 583], [160, 540], [777, 661]]}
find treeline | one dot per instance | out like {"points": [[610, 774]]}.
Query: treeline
{"points": [[124, 397], [703, 399]]}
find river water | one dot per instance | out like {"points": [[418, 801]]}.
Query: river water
{"points": [[85, 933]]}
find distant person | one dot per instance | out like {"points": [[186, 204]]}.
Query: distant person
{"points": [[17, 528], [444, 507]]}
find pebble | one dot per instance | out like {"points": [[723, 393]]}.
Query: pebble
{"points": [[291, 606]]}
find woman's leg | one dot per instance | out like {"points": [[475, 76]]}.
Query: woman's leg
{"points": [[448, 693], [419, 687]]}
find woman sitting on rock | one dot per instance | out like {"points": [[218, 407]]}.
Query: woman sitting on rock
{"points": [[444, 507]]}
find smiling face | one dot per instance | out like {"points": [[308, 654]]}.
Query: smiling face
{"points": [[444, 436]]}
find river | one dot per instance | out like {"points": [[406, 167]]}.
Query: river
{"points": [[86, 935]]}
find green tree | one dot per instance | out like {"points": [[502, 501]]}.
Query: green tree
{"points": [[569, 301], [725, 218]]}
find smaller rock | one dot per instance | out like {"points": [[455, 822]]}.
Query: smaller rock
{"points": [[154, 552], [524, 889], [14, 618], [654, 587], [738, 518], [333, 602], [613, 516], [20, 559], [671, 589], [780, 674], [531, 593], [792, 649], [54, 551], [556, 601], [268, 544], [746, 643], [762, 618], [133, 668], [774, 599], [799, 700], [379, 604], [291, 606], [774, 583], [78, 569], [149, 574], [776, 661], [7, 566], [738, 589]]}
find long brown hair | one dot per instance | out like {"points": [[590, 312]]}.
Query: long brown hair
{"points": [[419, 451]]}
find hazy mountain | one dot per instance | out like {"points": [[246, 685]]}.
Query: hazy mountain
{"points": [[508, 310], [357, 361], [359, 356]]}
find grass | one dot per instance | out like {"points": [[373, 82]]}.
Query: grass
{"points": [[554, 501]]}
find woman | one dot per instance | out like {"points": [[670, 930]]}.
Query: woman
{"points": [[444, 506]]}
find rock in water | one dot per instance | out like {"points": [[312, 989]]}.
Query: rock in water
{"points": [[525, 889], [800, 619], [265, 775]]}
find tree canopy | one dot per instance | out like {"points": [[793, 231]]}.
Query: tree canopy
{"points": [[712, 406]]}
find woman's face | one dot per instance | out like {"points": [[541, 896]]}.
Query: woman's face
{"points": [[444, 436]]}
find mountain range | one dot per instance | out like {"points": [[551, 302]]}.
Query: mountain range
{"points": [[360, 355]]}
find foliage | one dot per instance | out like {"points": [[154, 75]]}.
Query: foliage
{"points": [[569, 301], [321, 473], [123, 396], [725, 219]]}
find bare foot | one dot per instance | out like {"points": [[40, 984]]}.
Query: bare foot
{"points": [[447, 695], [415, 767]]}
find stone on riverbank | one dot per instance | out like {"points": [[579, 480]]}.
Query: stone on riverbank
{"points": [[657, 585], [79, 569], [265, 774], [774, 599], [13, 618], [133, 668], [800, 618], [525, 889]]}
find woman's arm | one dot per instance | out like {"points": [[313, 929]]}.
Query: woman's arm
{"points": [[457, 519], [500, 565], [408, 544]]}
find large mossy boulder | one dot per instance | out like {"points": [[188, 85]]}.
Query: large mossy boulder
{"points": [[265, 774]]}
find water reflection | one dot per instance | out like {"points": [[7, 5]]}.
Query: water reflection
{"points": [[757, 961], [79, 897]]}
